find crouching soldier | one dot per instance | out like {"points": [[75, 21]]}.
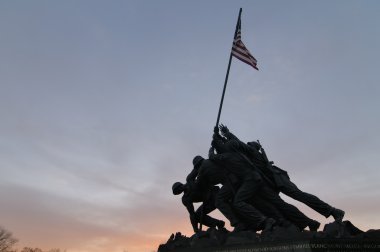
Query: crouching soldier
{"points": [[193, 193]]}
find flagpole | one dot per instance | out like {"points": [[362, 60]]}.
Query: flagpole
{"points": [[228, 72]]}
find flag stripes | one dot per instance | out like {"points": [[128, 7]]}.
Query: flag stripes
{"points": [[240, 51]]}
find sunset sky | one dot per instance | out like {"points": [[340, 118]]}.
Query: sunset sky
{"points": [[104, 104]]}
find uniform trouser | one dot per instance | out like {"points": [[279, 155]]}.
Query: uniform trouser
{"points": [[291, 190], [267, 208], [289, 211], [233, 204], [201, 214]]}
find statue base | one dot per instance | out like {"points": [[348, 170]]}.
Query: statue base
{"points": [[315, 245], [336, 237]]}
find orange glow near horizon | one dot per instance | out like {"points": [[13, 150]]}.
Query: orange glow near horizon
{"points": [[144, 240]]}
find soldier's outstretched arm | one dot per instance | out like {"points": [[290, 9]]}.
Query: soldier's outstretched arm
{"points": [[217, 136], [227, 133], [192, 175], [264, 154], [211, 153], [215, 157]]}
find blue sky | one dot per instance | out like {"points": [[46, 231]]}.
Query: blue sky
{"points": [[104, 104]]}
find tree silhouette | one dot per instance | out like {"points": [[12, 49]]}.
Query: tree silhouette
{"points": [[6, 240], [27, 249]]}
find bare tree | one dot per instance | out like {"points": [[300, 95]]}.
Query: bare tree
{"points": [[27, 249], [6, 240]]}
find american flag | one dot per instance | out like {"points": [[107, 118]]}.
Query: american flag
{"points": [[240, 51]]}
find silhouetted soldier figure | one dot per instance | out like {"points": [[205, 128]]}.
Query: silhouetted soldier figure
{"points": [[252, 184], [209, 174], [247, 182], [195, 193], [197, 161], [282, 180], [192, 194]]}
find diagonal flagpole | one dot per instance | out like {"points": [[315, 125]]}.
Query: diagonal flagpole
{"points": [[241, 52], [222, 99], [228, 72]]}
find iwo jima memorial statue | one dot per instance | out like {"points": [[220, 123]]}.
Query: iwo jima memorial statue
{"points": [[249, 199]]}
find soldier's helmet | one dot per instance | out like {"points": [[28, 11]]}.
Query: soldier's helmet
{"points": [[254, 144], [197, 160], [177, 188]]}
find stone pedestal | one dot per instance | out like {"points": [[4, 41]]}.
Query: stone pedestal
{"points": [[336, 237], [314, 245]]}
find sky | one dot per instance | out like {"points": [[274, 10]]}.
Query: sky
{"points": [[104, 104]]}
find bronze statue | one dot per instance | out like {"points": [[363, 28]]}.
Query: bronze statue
{"points": [[249, 196], [252, 184], [281, 179], [194, 193]]}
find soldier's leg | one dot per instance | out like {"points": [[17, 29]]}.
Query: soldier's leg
{"points": [[290, 212], [291, 190], [202, 214], [222, 203], [241, 203], [268, 209]]}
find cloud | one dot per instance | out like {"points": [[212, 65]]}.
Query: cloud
{"points": [[43, 219]]}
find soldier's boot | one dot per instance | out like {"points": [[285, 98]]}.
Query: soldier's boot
{"points": [[220, 225], [240, 227], [313, 225], [337, 214], [283, 223], [267, 224]]}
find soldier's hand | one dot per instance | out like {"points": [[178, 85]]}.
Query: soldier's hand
{"points": [[224, 129], [216, 130], [259, 144]]}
